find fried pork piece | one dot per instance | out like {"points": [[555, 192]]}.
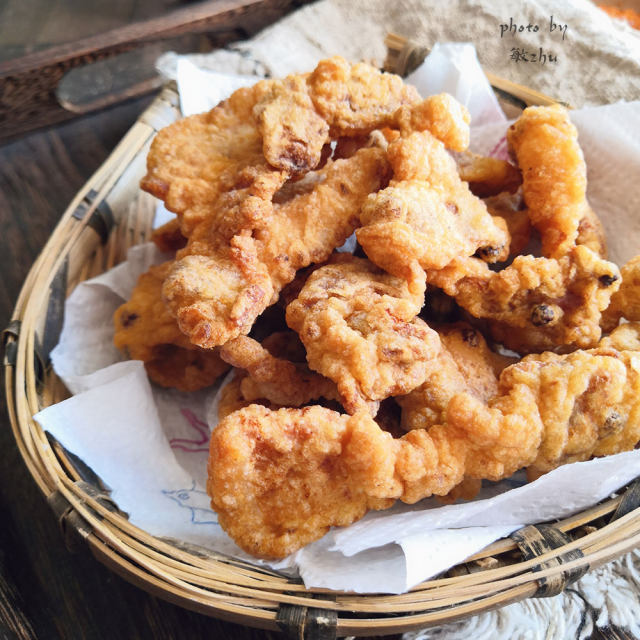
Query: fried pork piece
{"points": [[277, 479], [299, 115], [232, 399], [293, 133], [464, 364], [626, 337], [275, 375], [625, 302], [193, 161], [225, 174], [168, 237], [554, 176], [355, 99], [218, 288], [359, 327], [427, 216], [535, 303], [281, 479], [441, 115], [276, 125], [276, 379], [216, 298], [487, 176], [146, 331], [511, 207], [588, 402]]}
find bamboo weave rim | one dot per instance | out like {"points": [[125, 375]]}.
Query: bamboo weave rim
{"points": [[208, 582]]}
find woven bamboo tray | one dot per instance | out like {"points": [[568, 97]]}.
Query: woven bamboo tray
{"points": [[108, 215]]}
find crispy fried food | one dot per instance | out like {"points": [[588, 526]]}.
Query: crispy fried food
{"points": [[587, 400], [511, 207], [218, 293], [226, 174], [146, 331], [359, 327], [356, 99], [554, 302], [217, 298], [535, 303], [276, 125], [293, 133], [591, 233], [464, 364], [280, 479], [427, 216], [275, 375], [625, 302], [168, 237], [487, 176], [194, 161], [232, 399], [345, 103], [626, 337], [554, 176], [442, 115], [275, 178], [276, 379], [277, 478]]}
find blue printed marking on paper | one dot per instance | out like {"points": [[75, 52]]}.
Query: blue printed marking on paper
{"points": [[196, 501]]}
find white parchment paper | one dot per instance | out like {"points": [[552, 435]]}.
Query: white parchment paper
{"points": [[149, 445]]}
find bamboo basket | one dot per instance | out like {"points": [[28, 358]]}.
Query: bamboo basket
{"points": [[107, 216]]}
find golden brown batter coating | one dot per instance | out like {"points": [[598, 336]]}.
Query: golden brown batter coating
{"points": [[276, 379], [535, 304], [277, 478], [217, 293], [147, 331], [464, 364], [487, 176], [554, 176], [355, 99], [427, 216], [280, 479], [625, 302], [359, 327]]}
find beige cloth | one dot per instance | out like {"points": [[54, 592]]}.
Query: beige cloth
{"points": [[598, 60]]}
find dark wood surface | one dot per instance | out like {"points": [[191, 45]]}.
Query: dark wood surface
{"points": [[29, 83], [45, 591]]}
